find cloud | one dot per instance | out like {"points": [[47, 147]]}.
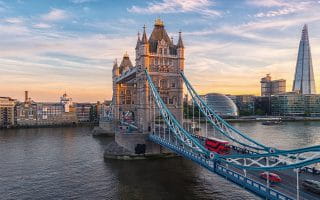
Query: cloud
{"points": [[273, 8], [55, 15], [81, 1], [202, 7], [42, 25], [267, 3], [258, 30], [47, 61], [14, 20], [286, 9]]}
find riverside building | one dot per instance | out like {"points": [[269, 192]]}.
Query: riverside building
{"points": [[221, 104], [295, 104], [7, 112], [271, 87], [30, 113]]}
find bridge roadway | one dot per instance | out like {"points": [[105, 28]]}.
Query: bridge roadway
{"points": [[289, 180], [287, 186]]}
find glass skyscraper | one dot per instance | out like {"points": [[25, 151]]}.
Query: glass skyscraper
{"points": [[304, 79]]}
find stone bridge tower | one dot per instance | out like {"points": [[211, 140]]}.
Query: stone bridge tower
{"points": [[131, 93], [163, 60]]}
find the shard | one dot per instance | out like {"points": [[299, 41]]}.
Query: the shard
{"points": [[304, 78]]}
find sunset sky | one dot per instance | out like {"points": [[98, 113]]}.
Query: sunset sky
{"points": [[69, 45]]}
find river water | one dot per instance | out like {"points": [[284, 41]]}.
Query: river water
{"points": [[67, 163]]}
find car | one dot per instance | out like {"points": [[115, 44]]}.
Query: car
{"points": [[273, 178], [311, 185]]}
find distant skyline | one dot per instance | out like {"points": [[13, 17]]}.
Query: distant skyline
{"points": [[55, 46]]}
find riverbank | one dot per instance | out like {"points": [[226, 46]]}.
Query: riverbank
{"points": [[264, 118], [272, 118], [82, 124]]}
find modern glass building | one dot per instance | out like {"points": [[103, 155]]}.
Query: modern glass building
{"points": [[295, 104], [304, 79], [221, 104]]}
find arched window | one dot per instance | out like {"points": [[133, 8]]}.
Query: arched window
{"points": [[174, 99], [163, 83], [165, 100], [173, 84]]}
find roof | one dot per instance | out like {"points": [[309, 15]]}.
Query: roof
{"points": [[159, 33], [180, 43], [125, 63]]}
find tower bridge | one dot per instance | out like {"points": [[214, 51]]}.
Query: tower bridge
{"points": [[147, 111]]}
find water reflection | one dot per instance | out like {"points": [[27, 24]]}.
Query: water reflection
{"points": [[287, 136]]}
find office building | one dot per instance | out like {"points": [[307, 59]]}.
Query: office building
{"points": [[304, 78], [271, 87], [221, 104]]}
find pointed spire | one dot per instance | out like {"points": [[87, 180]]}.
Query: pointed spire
{"points": [[180, 43], [138, 41], [115, 63], [304, 35], [144, 36]]}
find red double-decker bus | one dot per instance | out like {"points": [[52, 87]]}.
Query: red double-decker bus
{"points": [[219, 146]]}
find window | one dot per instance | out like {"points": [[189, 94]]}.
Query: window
{"points": [[163, 83], [165, 51], [160, 50], [174, 99], [165, 100], [173, 84]]}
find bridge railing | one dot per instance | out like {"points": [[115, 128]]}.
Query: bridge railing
{"points": [[250, 184], [173, 124], [213, 166]]}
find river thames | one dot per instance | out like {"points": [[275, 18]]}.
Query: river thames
{"points": [[67, 163]]}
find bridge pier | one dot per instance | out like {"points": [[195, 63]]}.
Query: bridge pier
{"points": [[105, 128], [135, 146]]}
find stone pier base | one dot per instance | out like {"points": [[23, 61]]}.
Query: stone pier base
{"points": [[104, 129], [125, 148]]}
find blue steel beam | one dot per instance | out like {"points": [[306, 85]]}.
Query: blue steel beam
{"points": [[187, 139], [173, 123], [201, 104]]}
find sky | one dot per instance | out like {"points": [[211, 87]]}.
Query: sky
{"points": [[51, 46]]}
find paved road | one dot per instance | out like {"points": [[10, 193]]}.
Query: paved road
{"points": [[289, 182], [288, 185]]}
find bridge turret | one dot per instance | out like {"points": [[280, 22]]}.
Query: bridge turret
{"points": [[137, 47], [125, 63], [144, 50], [115, 69], [180, 52]]}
